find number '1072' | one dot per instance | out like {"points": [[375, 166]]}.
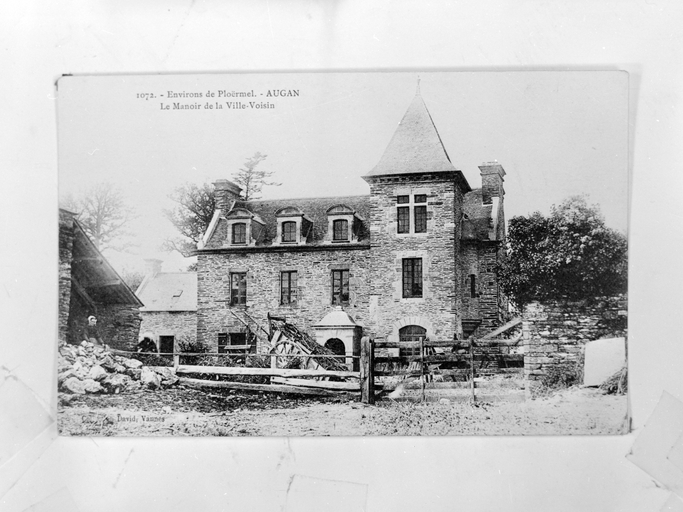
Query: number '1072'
{"points": [[145, 96]]}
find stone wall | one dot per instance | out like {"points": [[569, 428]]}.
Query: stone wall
{"points": [[555, 333], [488, 304], [314, 288], [119, 325], [438, 310], [180, 324], [66, 242]]}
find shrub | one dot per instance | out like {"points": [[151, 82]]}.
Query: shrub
{"points": [[192, 347]]}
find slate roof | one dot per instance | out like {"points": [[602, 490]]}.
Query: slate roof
{"points": [[169, 291], [415, 147], [313, 208]]}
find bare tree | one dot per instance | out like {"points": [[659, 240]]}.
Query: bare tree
{"points": [[104, 215], [252, 178]]}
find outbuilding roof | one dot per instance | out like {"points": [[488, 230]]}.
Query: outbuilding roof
{"points": [[337, 318], [90, 270], [169, 291]]}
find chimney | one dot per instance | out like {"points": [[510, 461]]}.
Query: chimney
{"points": [[225, 194], [491, 181], [152, 267]]}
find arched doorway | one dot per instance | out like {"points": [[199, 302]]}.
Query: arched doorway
{"points": [[336, 345], [411, 333]]}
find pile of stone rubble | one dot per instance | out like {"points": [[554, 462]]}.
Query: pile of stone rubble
{"points": [[87, 368]]}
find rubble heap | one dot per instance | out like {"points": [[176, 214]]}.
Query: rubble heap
{"points": [[87, 368]]}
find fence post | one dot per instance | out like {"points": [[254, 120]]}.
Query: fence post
{"points": [[367, 371], [474, 397], [176, 360], [422, 366]]}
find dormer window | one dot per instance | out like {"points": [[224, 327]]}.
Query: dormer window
{"points": [[340, 229], [289, 232], [292, 226], [239, 233], [244, 228], [342, 225]]}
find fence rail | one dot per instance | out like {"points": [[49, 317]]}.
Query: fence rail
{"points": [[467, 359]]}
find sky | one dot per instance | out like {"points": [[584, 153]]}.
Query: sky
{"points": [[556, 133]]}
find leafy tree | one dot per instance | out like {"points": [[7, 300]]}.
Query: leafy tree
{"points": [[252, 178], [191, 217], [570, 255], [104, 215], [196, 204]]}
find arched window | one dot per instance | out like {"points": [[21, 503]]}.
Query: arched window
{"points": [[289, 231], [340, 228], [239, 233], [411, 333], [336, 345]]}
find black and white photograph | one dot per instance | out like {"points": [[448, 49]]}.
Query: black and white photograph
{"points": [[343, 254]]}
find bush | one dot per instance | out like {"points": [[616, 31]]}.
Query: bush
{"points": [[149, 359], [617, 384], [192, 347], [561, 376]]}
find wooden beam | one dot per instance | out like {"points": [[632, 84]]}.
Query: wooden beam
{"points": [[103, 284], [272, 388], [268, 372], [83, 294], [367, 370], [502, 329], [98, 259], [318, 384]]}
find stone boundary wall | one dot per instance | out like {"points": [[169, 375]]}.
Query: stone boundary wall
{"points": [[554, 334]]}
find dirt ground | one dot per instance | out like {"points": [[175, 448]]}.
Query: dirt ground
{"points": [[191, 412]]}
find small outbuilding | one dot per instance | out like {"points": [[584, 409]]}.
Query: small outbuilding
{"points": [[170, 310], [89, 285], [339, 332]]}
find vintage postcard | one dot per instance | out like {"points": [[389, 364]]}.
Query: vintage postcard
{"points": [[335, 254]]}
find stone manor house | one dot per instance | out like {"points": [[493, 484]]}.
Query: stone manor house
{"points": [[415, 257]]}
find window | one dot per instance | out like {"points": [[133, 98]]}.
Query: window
{"points": [[222, 342], [402, 199], [238, 338], [403, 219], [289, 231], [412, 278], [420, 219], [410, 334], [238, 288], [473, 286], [288, 287], [340, 230], [239, 233], [420, 198], [340, 287]]}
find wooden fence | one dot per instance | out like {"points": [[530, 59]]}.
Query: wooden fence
{"points": [[282, 380], [425, 359]]}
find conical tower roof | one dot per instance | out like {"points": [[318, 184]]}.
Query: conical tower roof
{"points": [[415, 147]]}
